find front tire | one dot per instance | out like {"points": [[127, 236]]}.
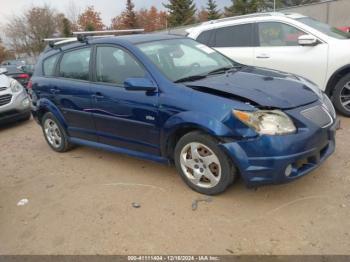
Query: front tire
{"points": [[54, 133], [203, 165], [341, 96]]}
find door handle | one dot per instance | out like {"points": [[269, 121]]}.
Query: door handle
{"points": [[98, 95], [54, 90], [263, 56]]}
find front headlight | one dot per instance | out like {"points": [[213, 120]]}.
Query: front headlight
{"points": [[15, 86], [267, 122], [329, 106]]}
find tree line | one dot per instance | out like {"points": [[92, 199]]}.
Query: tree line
{"points": [[25, 31]]}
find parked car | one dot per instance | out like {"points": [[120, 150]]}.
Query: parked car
{"points": [[288, 42], [14, 101], [21, 73], [171, 99], [345, 29], [14, 62]]}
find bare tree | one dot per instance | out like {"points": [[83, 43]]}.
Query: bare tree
{"points": [[25, 32], [73, 12]]}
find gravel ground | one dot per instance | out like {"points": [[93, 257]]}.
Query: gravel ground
{"points": [[80, 202]]}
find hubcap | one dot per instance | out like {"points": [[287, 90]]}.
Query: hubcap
{"points": [[52, 133], [200, 165], [345, 96]]}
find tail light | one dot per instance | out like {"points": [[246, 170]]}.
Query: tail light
{"points": [[23, 76], [30, 84]]}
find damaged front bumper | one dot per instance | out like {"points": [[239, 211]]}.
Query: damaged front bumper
{"points": [[281, 159]]}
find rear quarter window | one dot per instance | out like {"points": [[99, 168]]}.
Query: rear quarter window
{"points": [[205, 37], [234, 36], [49, 65]]}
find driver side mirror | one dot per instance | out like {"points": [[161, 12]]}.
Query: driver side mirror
{"points": [[139, 84], [3, 70], [307, 40]]}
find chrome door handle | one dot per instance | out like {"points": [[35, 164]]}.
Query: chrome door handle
{"points": [[263, 56], [54, 90]]}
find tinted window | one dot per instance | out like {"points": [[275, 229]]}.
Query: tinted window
{"points": [[114, 65], [234, 36], [75, 64], [205, 37], [278, 34], [324, 28], [49, 65]]}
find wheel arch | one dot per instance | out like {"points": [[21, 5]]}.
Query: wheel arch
{"points": [[181, 124], [334, 79], [46, 106]]}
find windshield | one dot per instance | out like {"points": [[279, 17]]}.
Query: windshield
{"points": [[324, 28], [184, 58]]}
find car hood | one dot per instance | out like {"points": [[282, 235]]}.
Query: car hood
{"points": [[267, 88]]}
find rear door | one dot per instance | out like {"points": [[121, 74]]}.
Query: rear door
{"points": [[236, 42], [279, 49], [71, 91]]}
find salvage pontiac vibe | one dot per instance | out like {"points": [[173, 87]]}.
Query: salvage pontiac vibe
{"points": [[171, 99]]}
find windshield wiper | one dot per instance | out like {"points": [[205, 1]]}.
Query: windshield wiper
{"points": [[190, 78], [223, 70]]}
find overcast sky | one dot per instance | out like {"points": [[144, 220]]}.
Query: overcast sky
{"points": [[108, 8]]}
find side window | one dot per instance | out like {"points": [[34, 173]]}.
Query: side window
{"points": [[278, 34], [75, 64], [114, 65], [49, 65], [234, 36], [205, 37]]}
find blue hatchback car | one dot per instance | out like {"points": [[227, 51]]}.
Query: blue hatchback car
{"points": [[171, 99]]}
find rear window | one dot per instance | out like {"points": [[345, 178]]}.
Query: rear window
{"points": [[234, 36], [49, 65]]}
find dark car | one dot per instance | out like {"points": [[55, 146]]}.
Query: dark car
{"points": [[21, 73], [173, 100]]}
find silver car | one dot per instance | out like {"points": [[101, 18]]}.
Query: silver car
{"points": [[14, 100]]}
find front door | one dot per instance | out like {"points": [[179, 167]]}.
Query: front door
{"points": [[127, 119], [279, 49]]}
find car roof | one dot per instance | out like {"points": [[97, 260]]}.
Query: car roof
{"points": [[141, 38], [108, 39], [243, 18]]}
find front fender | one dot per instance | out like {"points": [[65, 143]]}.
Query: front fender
{"points": [[196, 119], [192, 120], [45, 105]]}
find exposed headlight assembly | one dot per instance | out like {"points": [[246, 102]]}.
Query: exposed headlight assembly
{"points": [[15, 86], [267, 122]]}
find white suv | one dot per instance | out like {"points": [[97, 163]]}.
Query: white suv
{"points": [[287, 42]]}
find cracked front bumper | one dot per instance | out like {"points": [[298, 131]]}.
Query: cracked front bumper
{"points": [[264, 159]]}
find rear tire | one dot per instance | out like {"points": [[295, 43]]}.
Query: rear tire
{"points": [[54, 133], [203, 166], [341, 96]]}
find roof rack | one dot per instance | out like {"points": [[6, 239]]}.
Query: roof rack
{"points": [[82, 36], [240, 17]]}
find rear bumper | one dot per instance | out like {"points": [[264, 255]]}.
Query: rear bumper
{"points": [[264, 160]]}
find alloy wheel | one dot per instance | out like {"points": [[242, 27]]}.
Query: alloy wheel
{"points": [[345, 96], [200, 165], [52, 133]]}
